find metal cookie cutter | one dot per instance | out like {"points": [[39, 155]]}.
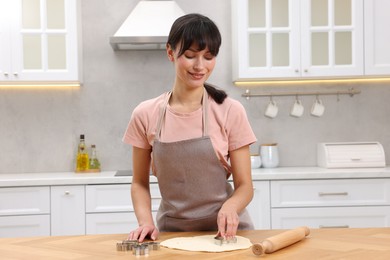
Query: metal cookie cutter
{"points": [[220, 240], [137, 248]]}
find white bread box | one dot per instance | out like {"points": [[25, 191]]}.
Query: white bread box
{"points": [[350, 155]]}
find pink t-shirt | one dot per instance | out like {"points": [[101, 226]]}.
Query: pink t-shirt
{"points": [[228, 126]]}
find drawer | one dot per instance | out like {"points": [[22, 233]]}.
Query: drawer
{"points": [[112, 223], [115, 198], [24, 201], [25, 226], [343, 192], [331, 217]]}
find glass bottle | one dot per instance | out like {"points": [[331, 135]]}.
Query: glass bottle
{"points": [[82, 163], [93, 160]]}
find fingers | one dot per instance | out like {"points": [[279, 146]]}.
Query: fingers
{"points": [[228, 224], [142, 232], [221, 221]]}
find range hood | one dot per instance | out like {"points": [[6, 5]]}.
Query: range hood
{"points": [[147, 27]]}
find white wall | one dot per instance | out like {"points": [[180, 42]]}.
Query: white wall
{"points": [[39, 129]]}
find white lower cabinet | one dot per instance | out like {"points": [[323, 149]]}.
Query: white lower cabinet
{"points": [[330, 203], [331, 217], [109, 208], [24, 211], [111, 223], [67, 210], [277, 204], [25, 226], [259, 208]]}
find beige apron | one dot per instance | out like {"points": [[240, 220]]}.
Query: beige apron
{"points": [[192, 181]]}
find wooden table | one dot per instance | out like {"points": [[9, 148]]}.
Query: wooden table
{"points": [[368, 243]]}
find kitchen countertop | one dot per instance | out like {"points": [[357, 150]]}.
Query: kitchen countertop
{"points": [[107, 177], [359, 243]]}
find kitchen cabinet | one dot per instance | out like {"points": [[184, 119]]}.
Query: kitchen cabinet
{"points": [[67, 210], [259, 208], [284, 197], [330, 203], [24, 211], [297, 39], [109, 208], [377, 37], [39, 40]]}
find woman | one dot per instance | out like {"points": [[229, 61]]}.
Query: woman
{"points": [[194, 137]]}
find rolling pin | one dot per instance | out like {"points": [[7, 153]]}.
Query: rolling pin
{"points": [[280, 241]]}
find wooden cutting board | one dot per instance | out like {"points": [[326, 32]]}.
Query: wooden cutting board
{"points": [[369, 243]]}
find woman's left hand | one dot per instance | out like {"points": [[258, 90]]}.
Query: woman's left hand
{"points": [[227, 221]]}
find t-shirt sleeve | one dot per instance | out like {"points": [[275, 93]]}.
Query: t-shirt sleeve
{"points": [[238, 128], [136, 132]]}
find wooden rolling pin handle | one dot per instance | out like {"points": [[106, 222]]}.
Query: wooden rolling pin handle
{"points": [[280, 241]]}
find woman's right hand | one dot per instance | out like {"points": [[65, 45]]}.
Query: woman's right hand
{"points": [[142, 232]]}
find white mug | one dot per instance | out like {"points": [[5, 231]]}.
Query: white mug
{"points": [[318, 108], [269, 155], [297, 109], [271, 110]]}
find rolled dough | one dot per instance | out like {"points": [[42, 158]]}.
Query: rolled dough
{"points": [[205, 243]]}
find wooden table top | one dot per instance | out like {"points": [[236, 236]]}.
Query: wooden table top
{"points": [[364, 243]]}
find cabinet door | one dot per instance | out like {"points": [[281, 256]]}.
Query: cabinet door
{"points": [[67, 210], [42, 40], [377, 37], [265, 39], [24, 201], [25, 226], [112, 223], [312, 193], [331, 38], [259, 208], [5, 57], [116, 198], [331, 217]]}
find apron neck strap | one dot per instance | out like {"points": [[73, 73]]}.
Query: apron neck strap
{"points": [[163, 110]]}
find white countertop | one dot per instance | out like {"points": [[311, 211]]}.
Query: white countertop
{"points": [[107, 177]]}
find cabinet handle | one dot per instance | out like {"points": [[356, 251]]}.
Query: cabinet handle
{"points": [[305, 70], [16, 74], [6, 73], [332, 194], [296, 71], [67, 192], [341, 226], [156, 198]]}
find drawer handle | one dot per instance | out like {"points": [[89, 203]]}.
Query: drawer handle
{"points": [[156, 198], [332, 194], [341, 226], [67, 192]]}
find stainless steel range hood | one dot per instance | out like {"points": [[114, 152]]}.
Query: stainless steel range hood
{"points": [[147, 27]]}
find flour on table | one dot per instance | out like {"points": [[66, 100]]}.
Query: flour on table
{"points": [[205, 243]]}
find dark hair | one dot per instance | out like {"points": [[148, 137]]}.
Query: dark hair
{"points": [[201, 30]]}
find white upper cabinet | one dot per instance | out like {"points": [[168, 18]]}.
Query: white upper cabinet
{"points": [[331, 38], [265, 39], [39, 40], [297, 38], [377, 37]]}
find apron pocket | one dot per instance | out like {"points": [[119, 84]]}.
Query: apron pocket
{"points": [[208, 223]]}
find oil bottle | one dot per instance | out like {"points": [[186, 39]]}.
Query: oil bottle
{"points": [[82, 163], [94, 163]]}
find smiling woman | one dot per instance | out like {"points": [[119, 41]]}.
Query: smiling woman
{"points": [[188, 136]]}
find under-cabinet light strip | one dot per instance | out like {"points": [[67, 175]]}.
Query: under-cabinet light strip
{"points": [[308, 81], [41, 85]]}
